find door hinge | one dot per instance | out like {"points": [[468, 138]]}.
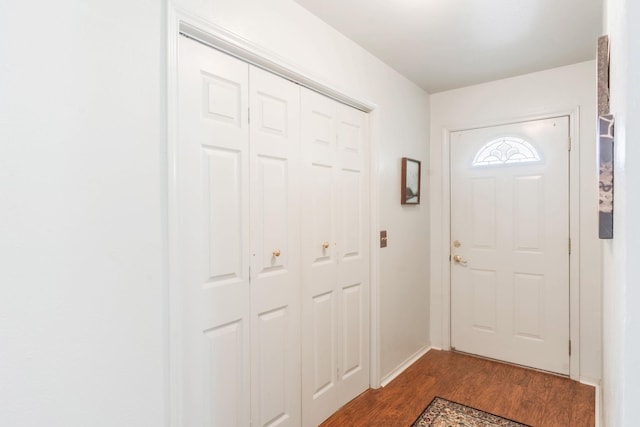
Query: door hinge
{"points": [[569, 142], [569, 347], [569, 245]]}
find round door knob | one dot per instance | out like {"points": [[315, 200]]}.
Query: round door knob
{"points": [[276, 253], [459, 259], [325, 245]]}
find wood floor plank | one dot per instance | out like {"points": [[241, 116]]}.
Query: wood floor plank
{"points": [[535, 398], [581, 410]]}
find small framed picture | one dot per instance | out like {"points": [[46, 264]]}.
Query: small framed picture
{"points": [[605, 153], [410, 188]]}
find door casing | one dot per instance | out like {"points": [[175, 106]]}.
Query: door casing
{"points": [[574, 228]]}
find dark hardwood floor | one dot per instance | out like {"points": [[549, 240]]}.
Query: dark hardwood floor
{"points": [[535, 398]]}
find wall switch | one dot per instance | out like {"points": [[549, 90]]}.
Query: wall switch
{"points": [[383, 238]]}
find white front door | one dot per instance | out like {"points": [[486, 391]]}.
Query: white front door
{"points": [[510, 243], [212, 190]]}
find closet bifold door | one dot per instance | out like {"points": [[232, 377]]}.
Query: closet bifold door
{"points": [[272, 208], [335, 256], [275, 250], [212, 198]]}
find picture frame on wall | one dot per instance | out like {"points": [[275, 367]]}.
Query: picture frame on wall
{"points": [[605, 181], [410, 186], [606, 124], [603, 75]]}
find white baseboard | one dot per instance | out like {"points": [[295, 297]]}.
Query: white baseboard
{"points": [[410, 361]]}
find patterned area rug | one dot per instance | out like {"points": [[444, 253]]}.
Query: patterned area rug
{"points": [[444, 413]]}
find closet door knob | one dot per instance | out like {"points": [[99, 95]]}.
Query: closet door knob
{"points": [[459, 260], [325, 245], [276, 252]]}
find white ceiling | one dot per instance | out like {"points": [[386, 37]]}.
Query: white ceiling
{"points": [[446, 44]]}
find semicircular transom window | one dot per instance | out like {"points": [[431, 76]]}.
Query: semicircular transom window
{"points": [[506, 150]]}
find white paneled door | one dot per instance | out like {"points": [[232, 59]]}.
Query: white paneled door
{"points": [[275, 250], [510, 243], [272, 247], [335, 256], [212, 176], [238, 208]]}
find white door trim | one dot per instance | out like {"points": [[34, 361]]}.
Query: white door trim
{"points": [[574, 229], [181, 21], [239, 47]]}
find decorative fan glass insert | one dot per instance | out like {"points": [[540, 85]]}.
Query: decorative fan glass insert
{"points": [[506, 150]]}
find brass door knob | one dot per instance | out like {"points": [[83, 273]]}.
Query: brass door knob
{"points": [[276, 252], [459, 260], [325, 245]]}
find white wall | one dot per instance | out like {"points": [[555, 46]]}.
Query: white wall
{"points": [[536, 94], [621, 314], [400, 128], [82, 278]]}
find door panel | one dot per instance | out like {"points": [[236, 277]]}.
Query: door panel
{"points": [[273, 404], [353, 247], [275, 250], [351, 226], [320, 293], [483, 284], [510, 215], [528, 212], [483, 205], [323, 332], [335, 295], [223, 373], [321, 201], [353, 354], [270, 204], [213, 213], [222, 99], [529, 305]]}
